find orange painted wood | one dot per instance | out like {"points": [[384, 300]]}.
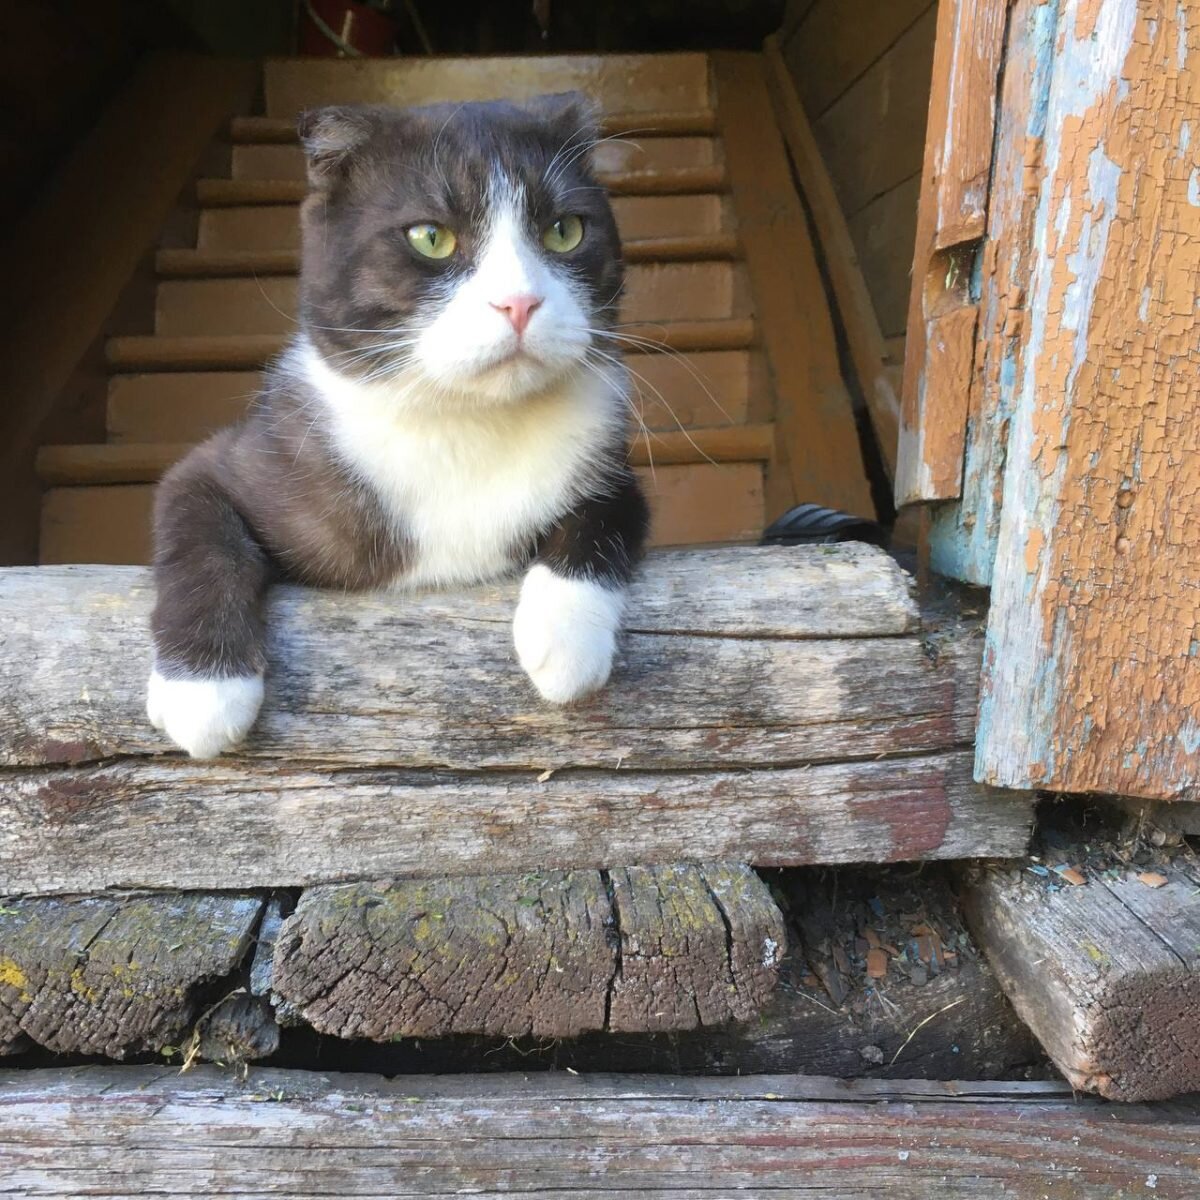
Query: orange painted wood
{"points": [[207, 264], [962, 537], [958, 154], [818, 438], [251, 131], [688, 291], [132, 462], [614, 154], [854, 305], [277, 227], [1092, 671], [234, 353], [691, 505], [628, 83], [670, 391], [681, 181]]}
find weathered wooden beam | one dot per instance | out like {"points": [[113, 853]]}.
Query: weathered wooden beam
{"points": [[1092, 681], [1106, 974], [298, 1134], [778, 707], [115, 976], [937, 1011], [548, 954]]}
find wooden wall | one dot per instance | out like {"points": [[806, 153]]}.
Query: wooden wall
{"points": [[862, 68]]}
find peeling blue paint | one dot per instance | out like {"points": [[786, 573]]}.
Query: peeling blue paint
{"points": [[963, 534]]}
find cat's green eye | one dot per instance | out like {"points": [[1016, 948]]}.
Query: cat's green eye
{"points": [[432, 241], [563, 235]]}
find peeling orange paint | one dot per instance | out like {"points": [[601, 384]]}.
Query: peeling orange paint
{"points": [[1095, 679]]}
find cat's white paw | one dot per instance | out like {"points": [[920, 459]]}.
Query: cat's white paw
{"points": [[205, 717], [565, 631]]}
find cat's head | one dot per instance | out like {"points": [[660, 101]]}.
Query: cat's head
{"points": [[468, 246]]}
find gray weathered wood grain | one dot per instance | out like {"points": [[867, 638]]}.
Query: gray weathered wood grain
{"points": [[548, 954], [258, 825], [115, 976], [138, 1131], [1107, 975], [751, 656]]}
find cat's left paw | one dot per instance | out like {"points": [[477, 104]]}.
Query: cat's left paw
{"points": [[565, 631]]}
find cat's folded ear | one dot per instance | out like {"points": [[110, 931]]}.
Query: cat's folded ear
{"points": [[330, 137], [575, 114]]}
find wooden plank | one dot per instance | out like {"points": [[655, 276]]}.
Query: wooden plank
{"points": [[940, 352], [145, 145], [680, 181], [199, 264], [257, 825], [835, 1025], [304, 1134], [242, 352], [690, 505], [855, 310], [688, 291], [276, 227], [1107, 974], [145, 462], [548, 954], [115, 976], [839, 42], [963, 535], [815, 610], [813, 414], [872, 138], [632, 83], [672, 392], [884, 235], [618, 155], [667, 782], [647, 123], [1093, 680]]}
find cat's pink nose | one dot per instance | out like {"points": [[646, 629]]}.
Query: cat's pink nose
{"points": [[518, 310]]}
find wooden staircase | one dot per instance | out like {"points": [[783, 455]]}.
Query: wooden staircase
{"points": [[745, 413]]}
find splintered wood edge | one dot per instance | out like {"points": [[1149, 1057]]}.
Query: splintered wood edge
{"points": [[1106, 974]]}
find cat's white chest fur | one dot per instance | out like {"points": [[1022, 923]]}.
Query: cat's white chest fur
{"points": [[468, 490]]}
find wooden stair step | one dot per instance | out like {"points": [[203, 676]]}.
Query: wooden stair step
{"points": [[750, 660], [682, 181], [621, 155], [680, 291], [277, 227], [234, 352], [546, 1134], [102, 463], [712, 388], [638, 84], [203, 263], [259, 131], [691, 505]]}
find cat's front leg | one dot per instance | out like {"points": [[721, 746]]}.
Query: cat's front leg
{"points": [[573, 598], [210, 573]]}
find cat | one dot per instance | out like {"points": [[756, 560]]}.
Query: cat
{"points": [[451, 408]]}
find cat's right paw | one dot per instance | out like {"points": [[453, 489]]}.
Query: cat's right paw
{"points": [[205, 717]]}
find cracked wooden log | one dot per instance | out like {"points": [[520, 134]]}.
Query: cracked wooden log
{"points": [[240, 1028], [146, 1131], [773, 706], [545, 954], [115, 975], [1106, 974]]}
